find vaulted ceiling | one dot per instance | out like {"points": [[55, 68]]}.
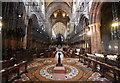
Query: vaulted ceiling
{"points": [[48, 2], [59, 11]]}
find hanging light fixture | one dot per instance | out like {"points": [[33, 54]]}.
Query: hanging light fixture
{"points": [[67, 14], [115, 24], [89, 33], [19, 16], [55, 14], [63, 14]]}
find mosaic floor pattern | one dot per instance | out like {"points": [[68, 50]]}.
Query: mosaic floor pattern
{"points": [[42, 70], [71, 72]]}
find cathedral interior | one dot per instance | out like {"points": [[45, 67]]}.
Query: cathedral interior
{"points": [[59, 41]]}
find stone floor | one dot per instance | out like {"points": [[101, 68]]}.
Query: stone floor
{"points": [[41, 69]]}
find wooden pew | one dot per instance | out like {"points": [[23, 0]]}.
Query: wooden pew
{"points": [[7, 63], [24, 55], [103, 66], [10, 70]]}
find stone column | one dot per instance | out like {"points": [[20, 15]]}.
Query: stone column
{"points": [[99, 45], [95, 38], [25, 39], [96, 46], [1, 39], [92, 39]]}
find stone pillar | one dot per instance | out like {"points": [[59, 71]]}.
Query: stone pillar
{"points": [[92, 39], [95, 38], [99, 45], [25, 39], [96, 46], [0, 40]]}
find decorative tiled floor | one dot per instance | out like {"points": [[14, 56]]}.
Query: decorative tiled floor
{"points": [[39, 69], [73, 72], [97, 77]]}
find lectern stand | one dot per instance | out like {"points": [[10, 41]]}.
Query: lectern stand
{"points": [[59, 60], [59, 70]]}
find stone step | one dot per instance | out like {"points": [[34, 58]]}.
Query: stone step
{"points": [[59, 69]]}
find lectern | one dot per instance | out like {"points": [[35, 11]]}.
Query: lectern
{"points": [[59, 60], [59, 70]]}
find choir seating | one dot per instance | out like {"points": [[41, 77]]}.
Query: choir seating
{"points": [[11, 65], [11, 73], [7, 63], [105, 59], [41, 53], [109, 71], [48, 53], [16, 57]]}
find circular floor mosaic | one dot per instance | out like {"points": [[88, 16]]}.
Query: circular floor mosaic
{"points": [[47, 71]]}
